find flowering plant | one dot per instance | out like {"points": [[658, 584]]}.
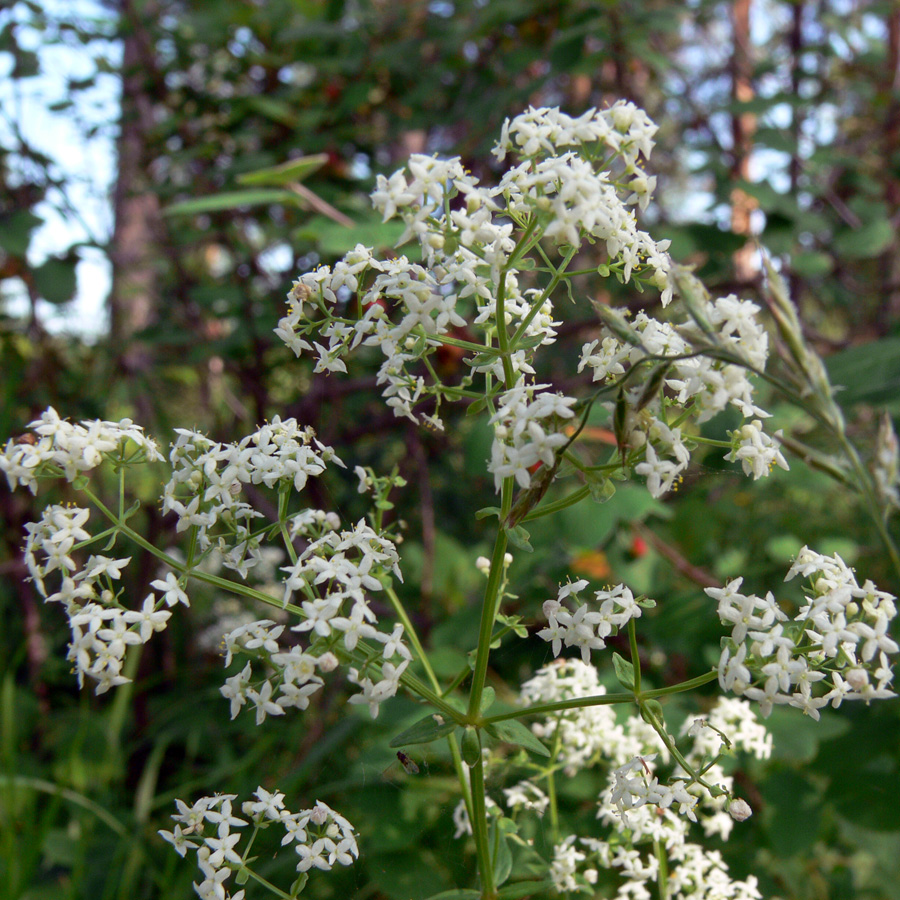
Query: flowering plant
{"points": [[493, 263]]}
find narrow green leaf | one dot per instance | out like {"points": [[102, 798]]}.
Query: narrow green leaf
{"points": [[512, 731], [501, 854], [624, 671], [471, 746], [464, 894], [487, 698], [523, 889], [229, 200], [652, 711], [426, 730], [286, 173]]}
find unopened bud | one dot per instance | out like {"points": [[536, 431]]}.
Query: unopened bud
{"points": [[739, 810]]}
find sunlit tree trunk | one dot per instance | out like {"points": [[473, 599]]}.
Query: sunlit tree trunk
{"points": [[743, 127], [133, 299]]}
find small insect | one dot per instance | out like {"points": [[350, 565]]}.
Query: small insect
{"points": [[407, 763]]}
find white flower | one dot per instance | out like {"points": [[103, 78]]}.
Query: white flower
{"points": [[171, 589]]}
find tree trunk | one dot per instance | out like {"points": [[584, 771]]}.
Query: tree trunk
{"points": [[743, 126], [133, 299]]}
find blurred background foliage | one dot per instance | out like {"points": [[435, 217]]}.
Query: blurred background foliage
{"points": [[780, 127]]}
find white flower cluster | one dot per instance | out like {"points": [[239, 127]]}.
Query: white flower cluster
{"points": [[842, 631], [643, 813], [468, 272], [733, 720], [295, 677], [320, 836], [208, 477], [335, 570], [72, 449], [521, 440], [635, 785], [526, 795], [586, 734], [624, 130], [102, 629], [757, 451], [587, 629], [702, 385], [693, 872]]}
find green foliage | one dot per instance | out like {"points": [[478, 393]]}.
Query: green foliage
{"points": [[84, 788]]}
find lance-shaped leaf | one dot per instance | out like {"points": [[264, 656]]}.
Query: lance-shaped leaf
{"points": [[512, 731], [230, 200], [431, 728], [287, 173]]}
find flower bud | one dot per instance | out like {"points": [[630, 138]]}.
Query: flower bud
{"points": [[739, 810]]}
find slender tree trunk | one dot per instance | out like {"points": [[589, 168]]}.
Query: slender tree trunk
{"points": [[796, 46], [743, 127], [890, 264], [133, 299]]}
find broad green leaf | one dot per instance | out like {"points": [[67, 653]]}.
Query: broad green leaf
{"points": [[868, 373], [431, 728], [230, 200], [865, 242], [15, 231], [601, 488], [512, 731], [334, 239], [518, 537], [286, 173], [55, 279], [812, 265]]}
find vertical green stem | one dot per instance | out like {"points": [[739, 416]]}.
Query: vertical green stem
{"points": [[479, 830], [487, 624], [662, 878], [410, 630], [635, 657]]}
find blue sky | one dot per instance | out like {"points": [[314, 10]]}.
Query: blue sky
{"points": [[85, 161]]}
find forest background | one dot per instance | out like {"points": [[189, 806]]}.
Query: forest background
{"points": [[779, 128]]}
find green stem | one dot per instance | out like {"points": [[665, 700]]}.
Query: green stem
{"points": [[551, 783], [410, 630], [662, 878], [601, 700], [480, 832], [486, 627], [557, 505], [551, 286], [635, 657], [266, 884]]}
